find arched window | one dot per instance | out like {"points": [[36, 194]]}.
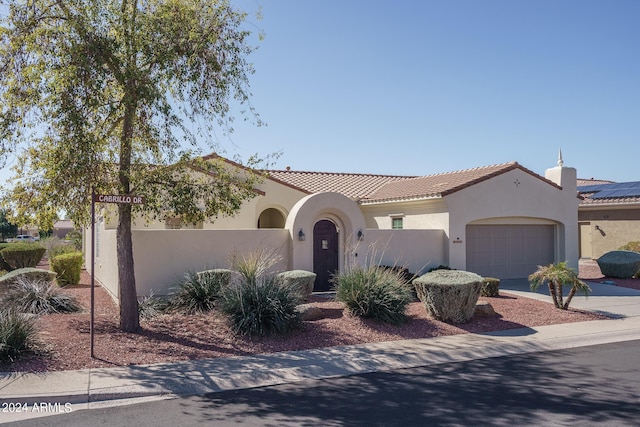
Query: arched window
{"points": [[271, 218]]}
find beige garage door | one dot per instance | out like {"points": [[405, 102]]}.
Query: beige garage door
{"points": [[509, 251]]}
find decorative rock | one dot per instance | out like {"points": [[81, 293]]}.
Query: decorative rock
{"points": [[309, 312], [620, 264], [484, 308], [449, 295]]}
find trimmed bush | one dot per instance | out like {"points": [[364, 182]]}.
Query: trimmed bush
{"points": [[619, 264], [300, 281], [197, 292], [17, 334], [490, 287], [28, 273], [23, 255], [374, 292], [631, 246], [449, 295], [67, 267], [3, 264], [262, 306], [39, 297]]}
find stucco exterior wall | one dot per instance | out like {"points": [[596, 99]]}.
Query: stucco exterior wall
{"points": [[515, 196], [106, 261], [616, 227], [161, 257], [417, 250], [417, 215]]}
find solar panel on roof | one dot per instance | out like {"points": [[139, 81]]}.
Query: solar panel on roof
{"points": [[614, 190]]}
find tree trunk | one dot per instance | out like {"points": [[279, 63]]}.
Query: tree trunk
{"points": [[129, 318], [572, 292], [552, 292]]}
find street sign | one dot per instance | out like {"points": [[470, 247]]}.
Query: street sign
{"points": [[115, 198]]}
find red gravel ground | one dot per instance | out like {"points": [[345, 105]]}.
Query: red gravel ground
{"points": [[169, 338]]}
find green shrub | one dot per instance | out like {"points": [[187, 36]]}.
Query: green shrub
{"points": [[75, 237], [67, 267], [449, 295], [374, 292], [631, 246], [490, 287], [300, 281], [39, 297], [619, 264], [29, 273], [22, 255], [3, 264], [17, 334], [197, 292], [261, 307]]}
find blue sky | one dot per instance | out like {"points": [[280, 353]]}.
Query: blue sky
{"points": [[416, 87], [420, 87]]}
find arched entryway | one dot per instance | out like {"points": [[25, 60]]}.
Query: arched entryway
{"points": [[325, 253]]}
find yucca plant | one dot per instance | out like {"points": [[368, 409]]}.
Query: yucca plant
{"points": [[556, 276], [261, 307], [374, 292], [17, 334], [37, 296], [196, 293]]}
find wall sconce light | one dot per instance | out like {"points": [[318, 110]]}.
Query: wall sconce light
{"points": [[360, 235], [598, 227], [301, 235]]}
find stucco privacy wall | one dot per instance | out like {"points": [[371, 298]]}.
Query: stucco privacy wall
{"points": [[417, 250], [162, 257], [519, 196]]}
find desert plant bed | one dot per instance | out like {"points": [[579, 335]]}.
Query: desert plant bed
{"points": [[175, 337]]}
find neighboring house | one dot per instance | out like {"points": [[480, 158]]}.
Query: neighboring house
{"points": [[500, 220], [609, 216], [62, 227]]}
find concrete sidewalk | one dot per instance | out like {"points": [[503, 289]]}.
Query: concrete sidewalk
{"points": [[57, 392]]}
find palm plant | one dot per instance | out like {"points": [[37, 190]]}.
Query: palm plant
{"points": [[556, 276]]}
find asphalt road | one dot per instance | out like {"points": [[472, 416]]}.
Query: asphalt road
{"points": [[588, 386]]}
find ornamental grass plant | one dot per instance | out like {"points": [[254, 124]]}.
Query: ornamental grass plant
{"points": [[38, 296], [17, 334], [261, 306], [196, 293], [374, 292]]}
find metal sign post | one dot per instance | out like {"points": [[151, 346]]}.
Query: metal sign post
{"points": [[102, 198]]}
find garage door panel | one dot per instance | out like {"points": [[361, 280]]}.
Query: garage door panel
{"points": [[509, 251]]}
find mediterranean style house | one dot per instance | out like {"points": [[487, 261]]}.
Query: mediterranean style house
{"points": [[500, 220]]}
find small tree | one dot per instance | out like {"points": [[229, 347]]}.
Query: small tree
{"points": [[117, 84], [556, 276]]}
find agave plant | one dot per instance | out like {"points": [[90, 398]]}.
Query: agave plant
{"points": [[556, 276]]}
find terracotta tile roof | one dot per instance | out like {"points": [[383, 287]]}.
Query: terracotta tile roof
{"points": [[440, 185], [355, 186], [380, 188], [591, 181]]}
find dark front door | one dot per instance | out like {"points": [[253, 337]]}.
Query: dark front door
{"points": [[325, 254]]}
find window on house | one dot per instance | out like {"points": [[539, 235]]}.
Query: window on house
{"points": [[396, 223]]}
